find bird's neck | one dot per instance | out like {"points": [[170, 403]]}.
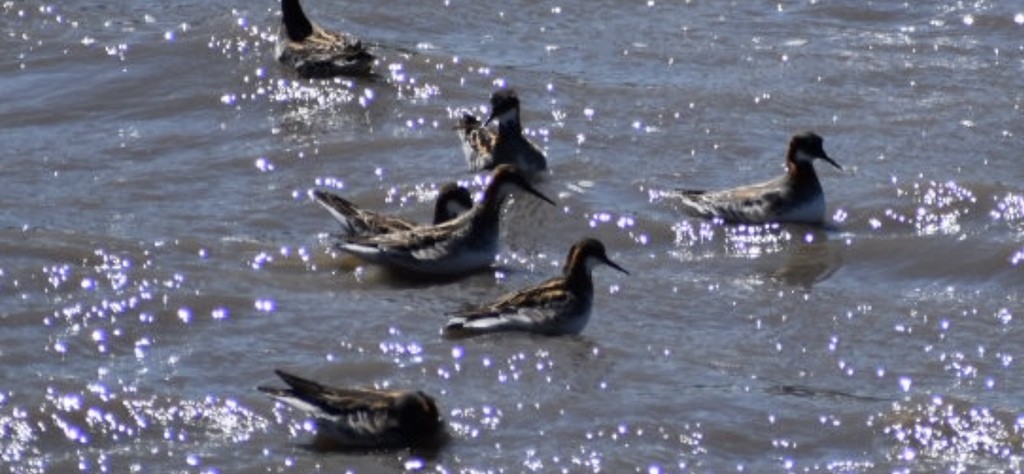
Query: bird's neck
{"points": [[799, 169], [296, 25], [577, 275], [490, 208], [510, 124]]}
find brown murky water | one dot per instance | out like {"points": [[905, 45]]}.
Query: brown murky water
{"points": [[160, 255]]}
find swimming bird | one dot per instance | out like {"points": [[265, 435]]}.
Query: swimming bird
{"points": [[484, 148], [315, 52], [793, 197], [363, 418], [452, 200], [462, 245], [558, 306]]}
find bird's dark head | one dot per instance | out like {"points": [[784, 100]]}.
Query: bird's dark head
{"points": [[807, 147], [587, 254], [504, 106], [418, 414]]}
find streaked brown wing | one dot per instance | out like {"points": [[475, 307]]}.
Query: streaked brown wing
{"points": [[414, 238], [548, 293], [331, 400], [359, 221]]}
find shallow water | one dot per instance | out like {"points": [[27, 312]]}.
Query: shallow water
{"points": [[161, 256]]}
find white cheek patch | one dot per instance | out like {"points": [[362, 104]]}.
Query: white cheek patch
{"points": [[508, 115], [802, 157], [455, 208]]}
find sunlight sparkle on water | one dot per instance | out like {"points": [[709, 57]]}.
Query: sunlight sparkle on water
{"points": [[414, 464], [264, 305], [116, 344], [264, 165]]}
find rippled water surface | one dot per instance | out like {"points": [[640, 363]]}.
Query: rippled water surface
{"points": [[160, 254]]}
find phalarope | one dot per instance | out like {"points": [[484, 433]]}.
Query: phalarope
{"points": [[462, 245], [452, 200], [315, 52], [484, 148], [363, 418], [794, 197], [558, 306]]}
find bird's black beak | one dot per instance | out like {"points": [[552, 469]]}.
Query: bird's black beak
{"points": [[614, 265], [830, 161], [532, 190]]}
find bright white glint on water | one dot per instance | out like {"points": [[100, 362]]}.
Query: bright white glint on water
{"points": [[264, 305], [180, 147]]}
